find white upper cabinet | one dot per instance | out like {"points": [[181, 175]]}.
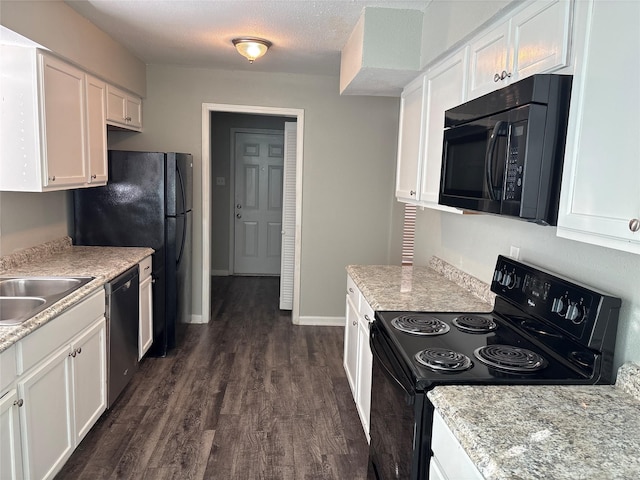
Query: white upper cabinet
{"points": [[600, 197], [534, 40], [422, 108], [410, 141], [96, 130], [124, 110], [445, 88], [53, 134], [63, 122]]}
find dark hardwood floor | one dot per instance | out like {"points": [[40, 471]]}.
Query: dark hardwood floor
{"points": [[248, 396]]}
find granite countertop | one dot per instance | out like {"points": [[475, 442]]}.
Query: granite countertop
{"points": [[440, 287], [567, 432], [60, 258]]}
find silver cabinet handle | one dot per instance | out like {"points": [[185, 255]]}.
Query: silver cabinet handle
{"points": [[238, 206], [79, 350], [52, 179], [366, 317], [128, 119], [19, 402], [634, 224], [412, 193], [73, 354], [355, 323], [350, 290], [238, 215], [94, 176]]}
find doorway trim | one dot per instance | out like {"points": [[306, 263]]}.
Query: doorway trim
{"points": [[232, 183], [207, 109]]}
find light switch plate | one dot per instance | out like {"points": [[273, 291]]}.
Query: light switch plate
{"points": [[514, 252]]}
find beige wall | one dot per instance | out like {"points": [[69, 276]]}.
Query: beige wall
{"points": [[349, 164], [29, 219], [473, 242]]}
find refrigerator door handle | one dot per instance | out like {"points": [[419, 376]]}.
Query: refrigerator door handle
{"points": [[184, 213]]}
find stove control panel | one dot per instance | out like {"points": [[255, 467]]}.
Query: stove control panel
{"points": [[577, 310]]}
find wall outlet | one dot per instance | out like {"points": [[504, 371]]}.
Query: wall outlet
{"points": [[514, 252], [220, 181]]}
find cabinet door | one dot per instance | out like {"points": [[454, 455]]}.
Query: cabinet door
{"points": [[116, 105], [445, 88], [540, 36], [96, 131], [489, 56], [89, 378], [365, 363], [600, 195], [134, 112], [145, 334], [46, 416], [351, 345], [10, 447], [63, 107], [410, 142]]}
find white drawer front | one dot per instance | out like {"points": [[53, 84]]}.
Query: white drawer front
{"points": [[7, 368], [42, 342], [145, 268]]}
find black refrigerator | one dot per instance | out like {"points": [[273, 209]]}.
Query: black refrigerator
{"points": [[147, 202]]}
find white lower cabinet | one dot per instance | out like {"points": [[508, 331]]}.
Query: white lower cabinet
{"points": [[10, 439], [145, 330], [60, 394], [449, 460], [46, 415], [358, 359]]}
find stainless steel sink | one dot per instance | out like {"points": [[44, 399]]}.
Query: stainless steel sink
{"points": [[22, 298], [15, 310]]}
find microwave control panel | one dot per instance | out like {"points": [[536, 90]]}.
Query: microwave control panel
{"points": [[515, 164]]}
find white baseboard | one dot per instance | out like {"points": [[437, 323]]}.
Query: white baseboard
{"points": [[219, 273], [195, 319], [322, 321]]}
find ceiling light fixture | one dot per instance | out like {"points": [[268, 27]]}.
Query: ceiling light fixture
{"points": [[251, 47]]}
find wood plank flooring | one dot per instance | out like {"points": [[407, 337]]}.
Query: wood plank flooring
{"points": [[248, 396]]}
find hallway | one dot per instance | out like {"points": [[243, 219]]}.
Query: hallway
{"points": [[248, 396]]}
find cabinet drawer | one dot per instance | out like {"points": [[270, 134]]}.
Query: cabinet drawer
{"points": [[7, 368], [366, 312], [60, 330], [353, 292], [144, 268]]}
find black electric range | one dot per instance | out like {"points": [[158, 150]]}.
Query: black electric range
{"points": [[543, 329]]}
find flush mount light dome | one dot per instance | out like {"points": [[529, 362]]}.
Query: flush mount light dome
{"points": [[251, 47]]}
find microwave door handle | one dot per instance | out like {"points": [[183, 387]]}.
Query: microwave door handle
{"points": [[498, 131]]}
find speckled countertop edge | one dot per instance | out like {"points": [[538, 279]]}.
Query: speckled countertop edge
{"points": [[568, 432], [421, 288], [60, 258]]}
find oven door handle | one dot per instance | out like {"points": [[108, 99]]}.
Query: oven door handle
{"points": [[391, 372]]}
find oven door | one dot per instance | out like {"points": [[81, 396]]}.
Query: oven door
{"points": [[400, 443]]}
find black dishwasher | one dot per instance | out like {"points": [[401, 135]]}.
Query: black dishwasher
{"points": [[122, 297]]}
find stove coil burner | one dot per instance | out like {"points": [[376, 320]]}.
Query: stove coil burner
{"points": [[443, 360], [420, 325], [474, 324], [512, 359]]}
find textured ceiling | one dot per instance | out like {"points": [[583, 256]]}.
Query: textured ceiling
{"points": [[307, 35]]}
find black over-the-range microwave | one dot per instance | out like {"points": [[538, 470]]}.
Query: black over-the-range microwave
{"points": [[503, 152]]}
